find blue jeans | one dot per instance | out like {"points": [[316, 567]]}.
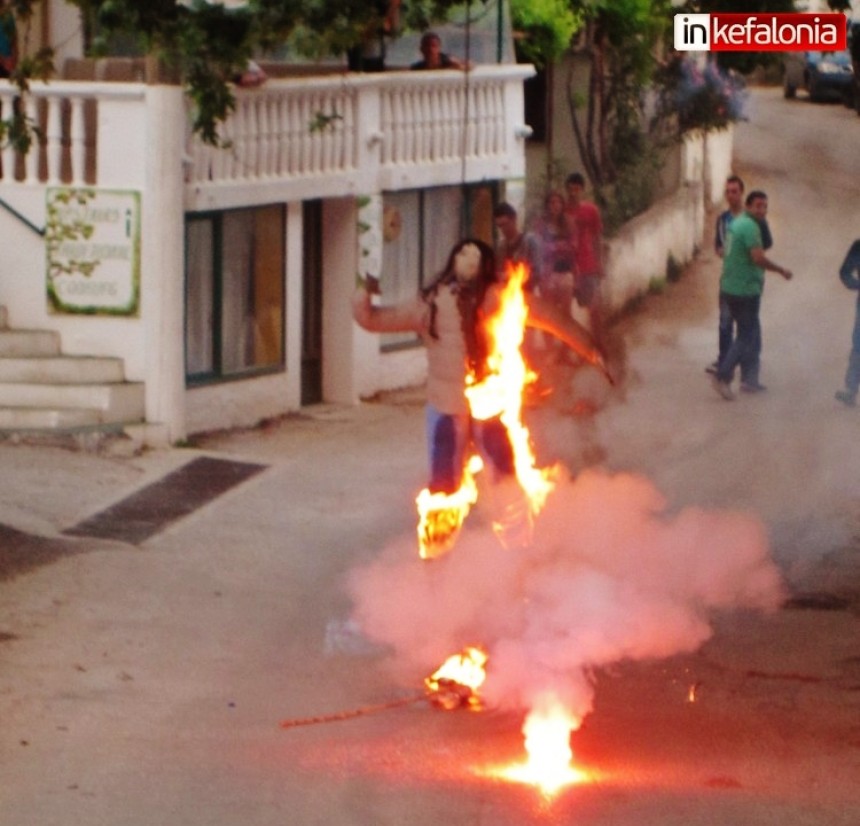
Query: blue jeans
{"points": [[852, 374], [448, 439], [744, 350], [727, 328], [727, 334]]}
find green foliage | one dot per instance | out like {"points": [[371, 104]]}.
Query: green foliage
{"points": [[544, 28], [322, 121], [622, 37], [64, 225], [656, 285], [698, 97], [206, 45], [633, 190]]}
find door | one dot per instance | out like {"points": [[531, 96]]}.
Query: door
{"points": [[312, 299]]}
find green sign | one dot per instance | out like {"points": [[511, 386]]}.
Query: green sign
{"points": [[92, 242]]}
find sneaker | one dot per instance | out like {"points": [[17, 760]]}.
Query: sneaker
{"points": [[723, 388], [749, 387], [848, 399], [712, 368]]}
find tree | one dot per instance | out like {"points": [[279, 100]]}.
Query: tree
{"points": [[621, 37], [543, 29]]}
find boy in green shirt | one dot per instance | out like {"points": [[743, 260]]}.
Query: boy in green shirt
{"points": [[741, 283]]}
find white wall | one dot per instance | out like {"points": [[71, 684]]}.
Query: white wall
{"points": [[639, 252]]}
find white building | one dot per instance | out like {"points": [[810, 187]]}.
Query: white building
{"points": [[213, 286]]}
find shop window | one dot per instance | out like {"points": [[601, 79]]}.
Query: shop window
{"points": [[234, 293]]}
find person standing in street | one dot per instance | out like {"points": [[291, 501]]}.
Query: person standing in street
{"points": [[734, 193], [741, 284], [515, 246], [451, 317], [557, 236], [589, 271], [849, 274]]}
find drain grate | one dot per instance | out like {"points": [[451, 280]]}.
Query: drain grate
{"points": [[21, 552], [149, 510]]}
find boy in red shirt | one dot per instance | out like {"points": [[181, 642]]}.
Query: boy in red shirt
{"points": [[589, 252]]}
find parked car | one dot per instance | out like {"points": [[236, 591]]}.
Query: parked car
{"points": [[824, 75]]}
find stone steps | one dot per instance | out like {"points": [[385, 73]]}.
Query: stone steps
{"points": [[42, 390]]}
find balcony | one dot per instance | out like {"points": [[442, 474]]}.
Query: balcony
{"points": [[292, 139]]}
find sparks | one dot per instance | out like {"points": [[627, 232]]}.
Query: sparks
{"points": [[548, 767]]}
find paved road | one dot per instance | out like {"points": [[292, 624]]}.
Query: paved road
{"points": [[143, 684]]}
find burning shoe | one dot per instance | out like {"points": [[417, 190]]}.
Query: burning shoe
{"points": [[457, 681], [441, 515], [438, 531]]}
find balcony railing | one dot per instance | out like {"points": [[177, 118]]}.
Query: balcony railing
{"points": [[296, 138]]}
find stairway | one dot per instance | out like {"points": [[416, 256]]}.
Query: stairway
{"points": [[43, 391]]}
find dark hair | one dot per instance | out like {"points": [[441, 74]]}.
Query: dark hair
{"points": [[427, 37], [575, 178], [470, 299], [560, 222], [736, 179], [504, 210], [754, 196]]}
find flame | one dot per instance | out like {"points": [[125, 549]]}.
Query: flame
{"points": [[456, 682], [441, 515], [549, 766], [501, 392]]}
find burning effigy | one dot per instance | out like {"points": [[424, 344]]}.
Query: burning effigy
{"points": [[563, 576]]}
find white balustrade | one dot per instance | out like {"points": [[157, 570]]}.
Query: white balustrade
{"points": [[291, 138], [64, 117]]}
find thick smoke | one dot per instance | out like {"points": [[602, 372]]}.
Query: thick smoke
{"points": [[610, 576]]}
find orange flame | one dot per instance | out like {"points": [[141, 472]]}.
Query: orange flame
{"points": [[500, 393], [441, 515], [456, 682], [547, 739]]}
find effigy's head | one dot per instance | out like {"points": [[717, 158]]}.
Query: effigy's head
{"points": [[472, 260]]}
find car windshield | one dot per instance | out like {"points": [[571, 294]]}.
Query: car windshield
{"points": [[840, 58]]}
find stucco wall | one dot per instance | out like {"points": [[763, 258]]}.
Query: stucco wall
{"points": [[675, 225], [640, 251]]}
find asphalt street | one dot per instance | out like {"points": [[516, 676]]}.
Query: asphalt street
{"points": [[145, 676]]}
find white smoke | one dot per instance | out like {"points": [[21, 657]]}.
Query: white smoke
{"points": [[610, 576]]}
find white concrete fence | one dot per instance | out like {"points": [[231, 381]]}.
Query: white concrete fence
{"points": [[675, 225]]}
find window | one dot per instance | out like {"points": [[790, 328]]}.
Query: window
{"points": [[419, 229], [234, 293]]}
